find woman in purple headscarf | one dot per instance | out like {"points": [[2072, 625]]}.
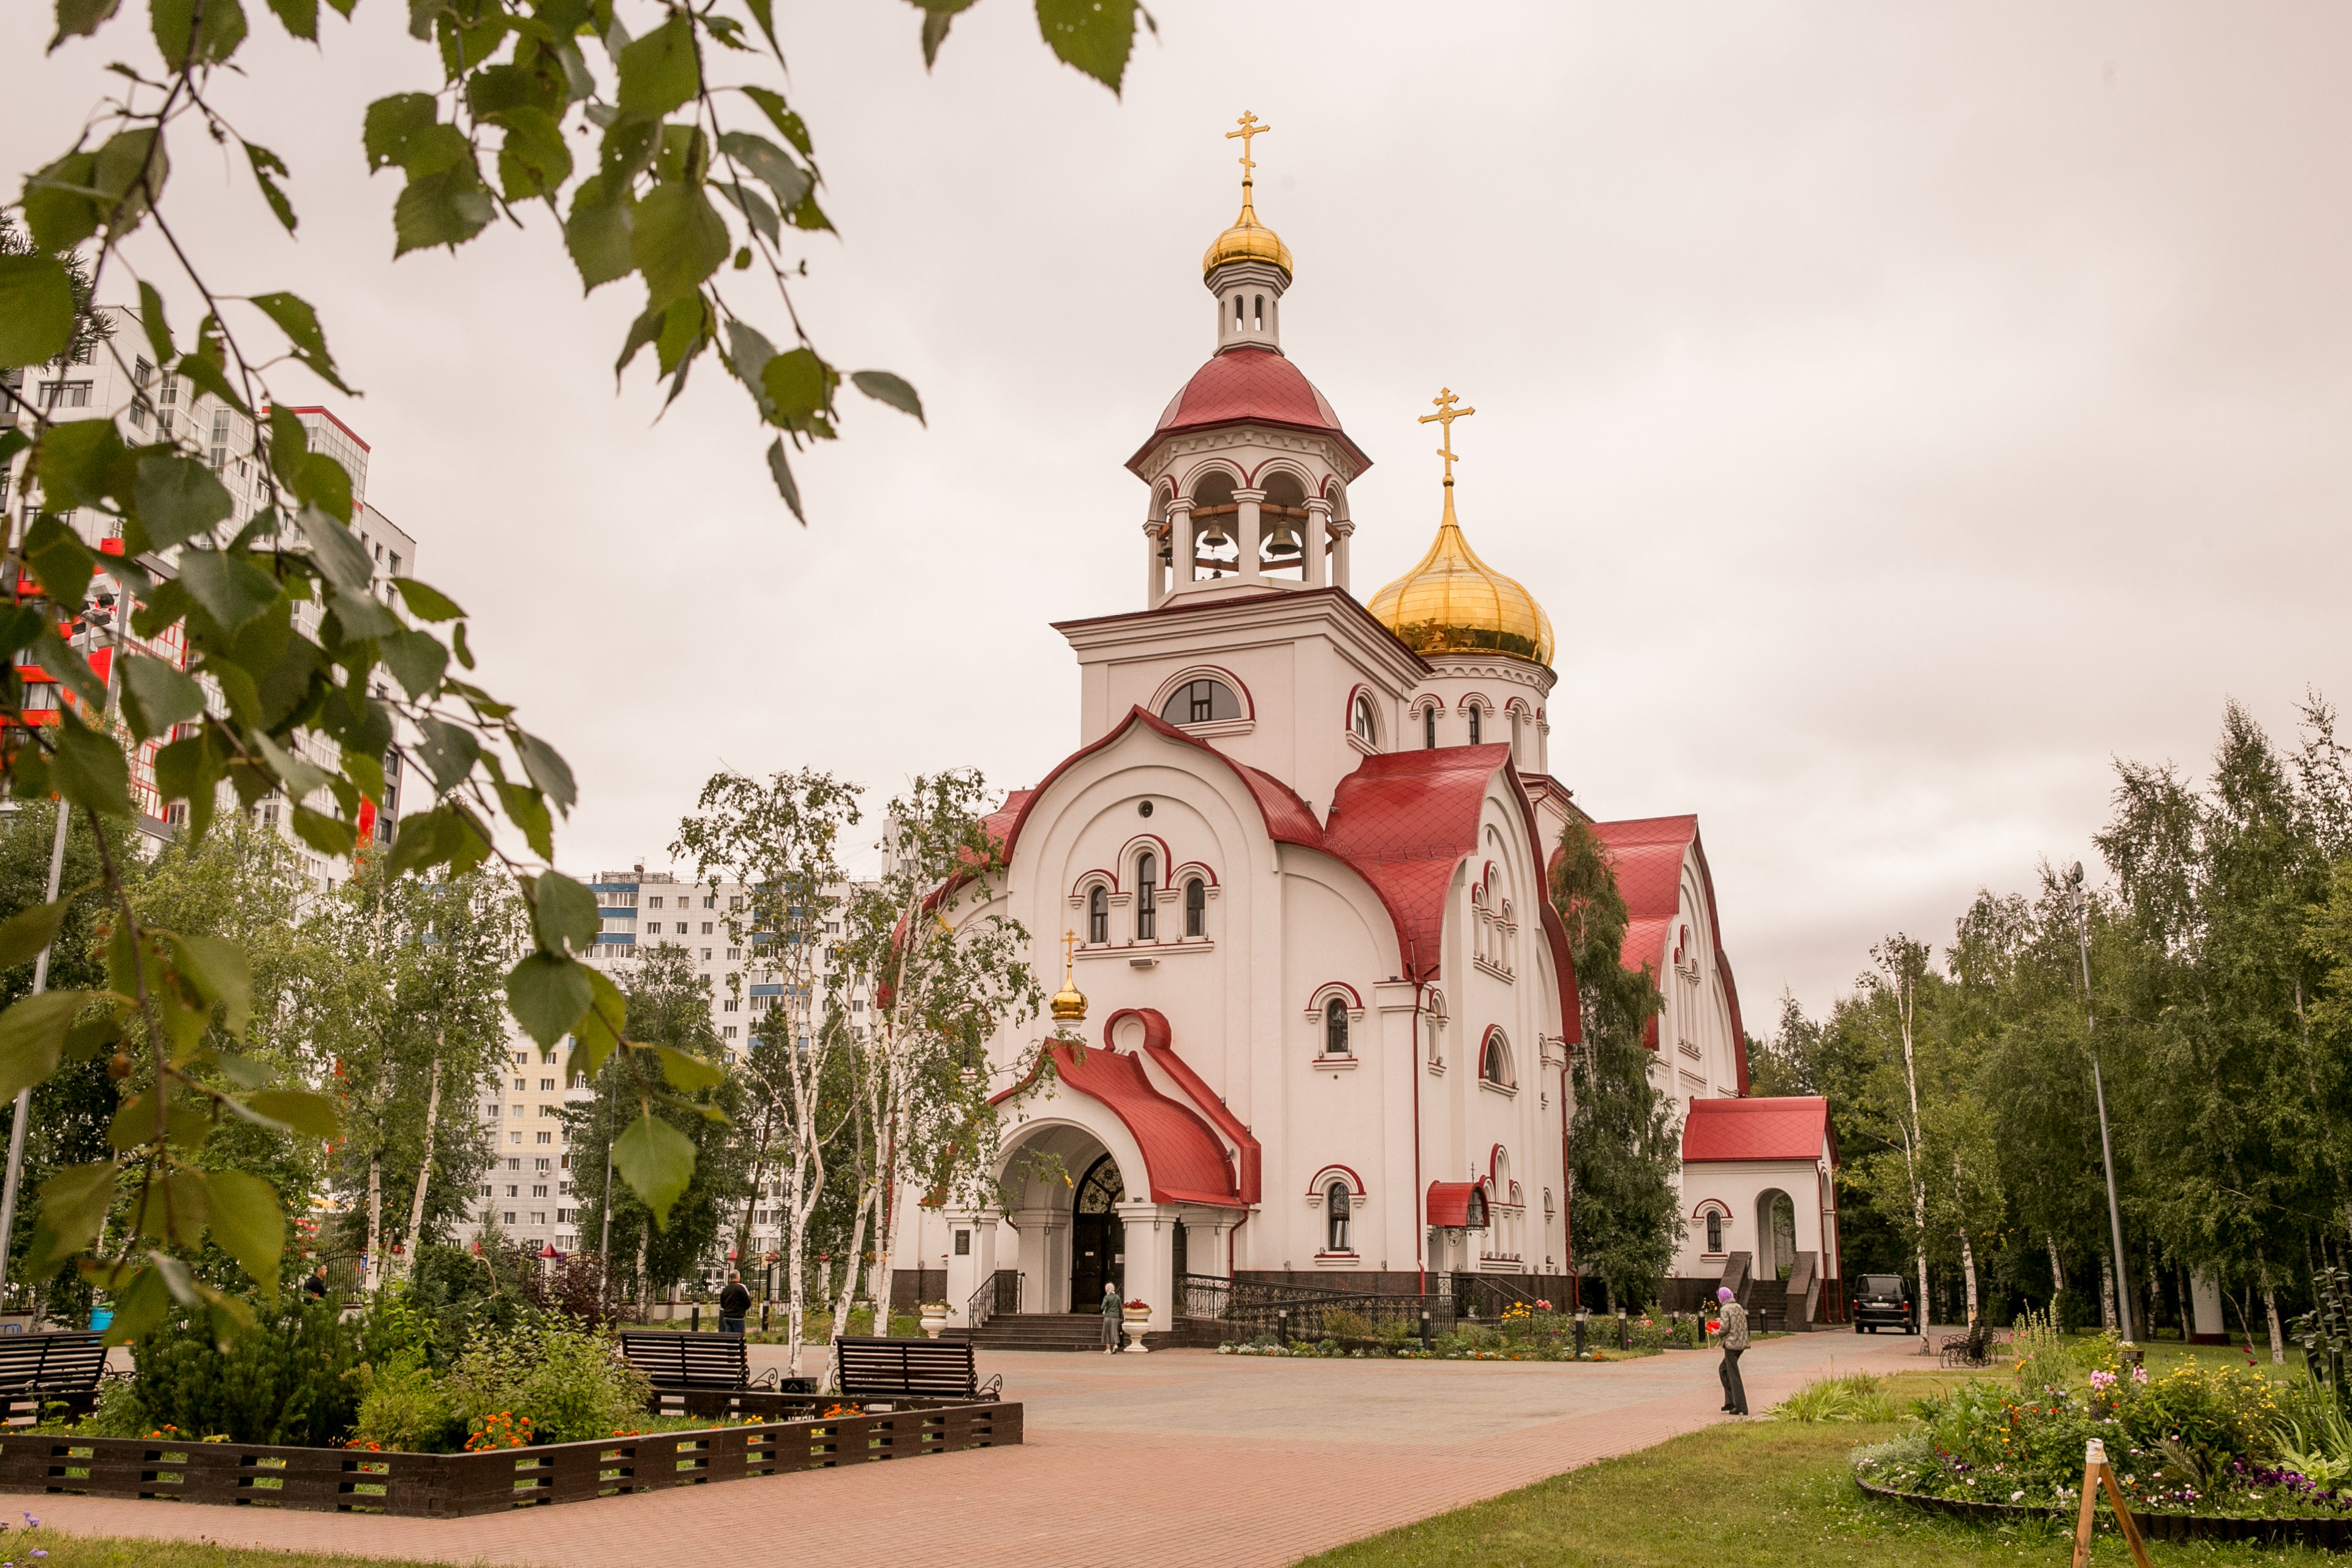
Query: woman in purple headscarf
{"points": [[1733, 1339]]}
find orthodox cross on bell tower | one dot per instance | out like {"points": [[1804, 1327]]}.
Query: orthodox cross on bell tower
{"points": [[1445, 415], [1249, 128]]}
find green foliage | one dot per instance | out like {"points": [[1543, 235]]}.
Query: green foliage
{"points": [[294, 1378], [1856, 1396], [407, 1407], [1625, 1152], [574, 1384]]}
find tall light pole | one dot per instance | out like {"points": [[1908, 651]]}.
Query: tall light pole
{"points": [[2099, 1089]]}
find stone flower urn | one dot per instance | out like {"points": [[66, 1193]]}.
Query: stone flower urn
{"points": [[935, 1317], [1137, 1319]]}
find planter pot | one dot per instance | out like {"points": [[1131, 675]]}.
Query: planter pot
{"points": [[934, 1321], [1136, 1320]]}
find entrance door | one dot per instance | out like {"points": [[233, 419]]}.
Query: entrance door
{"points": [[1098, 1240]]}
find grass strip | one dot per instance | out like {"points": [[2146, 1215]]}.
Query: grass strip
{"points": [[1754, 1494], [18, 1546]]}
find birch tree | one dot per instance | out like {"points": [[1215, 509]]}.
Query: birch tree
{"points": [[780, 842], [950, 970]]}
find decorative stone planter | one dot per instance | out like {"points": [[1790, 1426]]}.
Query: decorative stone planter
{"points": [[935, 1319], [1136, 1319]]}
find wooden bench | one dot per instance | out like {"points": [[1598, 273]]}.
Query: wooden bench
{"points": [[38, 1370], [872, 1367]]}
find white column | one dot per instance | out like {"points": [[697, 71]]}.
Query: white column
{"points": [[974, 1262], [1186, 549], [1253, 569], [1044, 1259], [1149, 1245], [1154, 574], [2205, 1302], [1319, 528], [1340, 529]]}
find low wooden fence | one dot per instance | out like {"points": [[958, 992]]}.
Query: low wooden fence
{"points": [[451, 1486]]}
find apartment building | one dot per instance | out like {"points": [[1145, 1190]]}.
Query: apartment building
{"points": [[113, 379], [528, 1193]]}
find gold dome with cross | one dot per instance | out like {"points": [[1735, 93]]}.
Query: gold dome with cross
{"points": [[1248, 239], [1453, 602]]}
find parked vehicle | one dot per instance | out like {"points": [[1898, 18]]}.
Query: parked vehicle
{"points": [[1883, 1301]]}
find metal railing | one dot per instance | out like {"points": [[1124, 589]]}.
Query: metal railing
{"points": [[1257, 1309], [999, 1294], [1484, 1297]]}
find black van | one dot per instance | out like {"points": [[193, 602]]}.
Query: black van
{"points": [[1883, 1301]]}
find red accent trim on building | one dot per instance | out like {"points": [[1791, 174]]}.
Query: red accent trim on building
{"points": [[1449, 1203], [329, 416], [1647, 855], [1157, 1040], [1183, 1161]]}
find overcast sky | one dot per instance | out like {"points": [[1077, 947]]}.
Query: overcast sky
{"points": [[1902, 412]]}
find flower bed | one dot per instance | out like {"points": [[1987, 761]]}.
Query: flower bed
{"points": [[2324, 1534], [447, 1486], [2226, 1446]]}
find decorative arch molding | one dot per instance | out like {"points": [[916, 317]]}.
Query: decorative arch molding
{"points": [[1189, 483], [1470, 700], [1521, 705], [1423, 703], [1310, 482], [1495, 1053], [1323, 1179], [1191, 869], [1104, 878], [1168, 689], [1499, 1166], [1141, 842], [1342, 990], [1716, 1205]]}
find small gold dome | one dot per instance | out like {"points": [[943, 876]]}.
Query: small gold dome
{"points": [[1454, 603], [1069, 1005], [1247, 240]]}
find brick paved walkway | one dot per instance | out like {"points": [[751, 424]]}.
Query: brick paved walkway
{"points": [[1183, 1457]]}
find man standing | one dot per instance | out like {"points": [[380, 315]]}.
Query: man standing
{"points": [[1733, 1339], [733, 1303], [1112, 1314]]}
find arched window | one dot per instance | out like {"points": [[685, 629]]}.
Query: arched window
{"points": [[1428, 728], [1099, 915], [1335, 1026], [1495, 1062], [1714, 1230], [1146, 896], [1336, 1206], [1367, 730], [1202, 701], [1196, 908], [1473, 723]]}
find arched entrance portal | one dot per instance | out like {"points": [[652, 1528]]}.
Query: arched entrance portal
{"points": [[1776, 1234], [1098, 1240]]}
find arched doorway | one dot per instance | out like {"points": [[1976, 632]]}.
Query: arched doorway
{"points": [[1776, 1234], [1098, 1240]]}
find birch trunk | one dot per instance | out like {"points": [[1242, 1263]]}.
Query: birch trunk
{"points": [[425, 1170], [1968, 1253], [645, 1276], [2057, 1269], [375, 1222], [2106, 1292], [1914, 1141]]}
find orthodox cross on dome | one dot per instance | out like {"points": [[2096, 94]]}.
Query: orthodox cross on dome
{"points": [[1249, 128], [1445, 415]]}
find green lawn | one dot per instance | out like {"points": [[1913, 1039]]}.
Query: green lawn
{"points": [[1759, 1494], [74, 1552]]}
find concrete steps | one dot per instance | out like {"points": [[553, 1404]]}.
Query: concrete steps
{"points": [[1040, 1331]]}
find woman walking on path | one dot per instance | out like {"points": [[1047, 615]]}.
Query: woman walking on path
{"points": [[1111, 1316], [1733, 1339]]}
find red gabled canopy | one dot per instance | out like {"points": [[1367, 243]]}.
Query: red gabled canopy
{"points": [[1183, 1162], [1452, 1206], [1792, 1128]]}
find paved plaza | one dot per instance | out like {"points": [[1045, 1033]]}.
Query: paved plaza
{"points": [[1182, 1457]]}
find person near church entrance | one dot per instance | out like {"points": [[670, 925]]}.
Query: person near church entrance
{"points": [[315, 1286], [1112, 1314], [1733, 1339], [734, 1302]]}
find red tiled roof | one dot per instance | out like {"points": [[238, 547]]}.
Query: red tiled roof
{"points": [[1647, 854], [1250, 384], [1182, 1160], [1157, 1043], [1792, 1128], [1404, 820]]}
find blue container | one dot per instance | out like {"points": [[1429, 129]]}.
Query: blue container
{"points": [[100, 1317]]}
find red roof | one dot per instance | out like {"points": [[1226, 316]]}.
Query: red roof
{"points": [[1251, 384], [1404, 820], [1449, 1205], [1794, 1128], [1647, 855], [1157, 1043], [1183, 1161]]}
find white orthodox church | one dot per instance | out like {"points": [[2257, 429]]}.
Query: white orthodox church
{"points": [[1302, 847]]}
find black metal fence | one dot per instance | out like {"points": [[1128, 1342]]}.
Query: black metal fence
{"points": [[1256, 1309]]}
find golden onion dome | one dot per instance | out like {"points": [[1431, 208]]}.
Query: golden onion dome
{"points": [[1068, 1004], [1454, 603], [1247, 240]]}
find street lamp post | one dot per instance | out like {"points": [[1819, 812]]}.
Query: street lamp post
{"points": [[2099, 1091]]}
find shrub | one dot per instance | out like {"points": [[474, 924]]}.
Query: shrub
{"points": [[571, 1382], [293, 1378], [2041, 1357], [1858, 1396], [407, 1407], [1342, 1324], [2212, 1414]]}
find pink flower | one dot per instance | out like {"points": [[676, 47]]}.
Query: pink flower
{"points": [[2139, 1374]]}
